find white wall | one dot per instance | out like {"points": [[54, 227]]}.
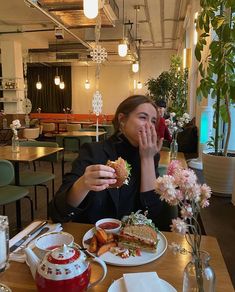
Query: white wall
{"points": [[116, 81]]}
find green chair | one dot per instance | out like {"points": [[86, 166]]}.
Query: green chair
{"points": [[162, 169], [9, 193], [40, 178], [71, 147]]}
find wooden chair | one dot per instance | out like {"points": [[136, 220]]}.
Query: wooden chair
{"points": [[73, 127]]}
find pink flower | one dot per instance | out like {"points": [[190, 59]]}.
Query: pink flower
{"points": [[175, 165], [186, 212], [205, 191], [165, 186], [179, 226]]}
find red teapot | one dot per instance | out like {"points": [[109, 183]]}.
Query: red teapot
{"points": [[65, 268]]}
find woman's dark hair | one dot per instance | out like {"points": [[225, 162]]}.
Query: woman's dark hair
{"points": [[161, 103], [129, 105]]}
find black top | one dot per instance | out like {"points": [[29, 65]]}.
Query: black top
{"points": [[113, 202]]}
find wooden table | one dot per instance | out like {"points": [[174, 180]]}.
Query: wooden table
{"points": [[169, 266], [165, 158], [80, 134], [26, 154]]}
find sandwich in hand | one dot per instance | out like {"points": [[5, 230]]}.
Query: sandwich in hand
{"points": [[138, 232], [122, 170]]}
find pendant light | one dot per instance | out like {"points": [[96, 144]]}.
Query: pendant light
{"points": [[122, 47], [39, 84], [57, 77], [90, 8], [135, 64], [61, 84], [87, 83]]}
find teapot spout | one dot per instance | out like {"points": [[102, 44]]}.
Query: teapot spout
{"points": [[32, 260]]}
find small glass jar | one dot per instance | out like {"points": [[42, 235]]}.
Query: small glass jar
{"points": [[15, 143], [199, 275], [173, 149]]}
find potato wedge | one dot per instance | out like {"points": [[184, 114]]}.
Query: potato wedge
{"points": [[106, 247], [93, 244], [110, 237], [101, 236]]}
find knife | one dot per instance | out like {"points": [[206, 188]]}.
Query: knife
{"points": [[27, 236]]}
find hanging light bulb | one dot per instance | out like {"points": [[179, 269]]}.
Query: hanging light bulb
{"points": [[39, 84], [139, 85], [135, 66], [61, 84], [122, 48], [57, 78], [87, 83], [90, 8]]}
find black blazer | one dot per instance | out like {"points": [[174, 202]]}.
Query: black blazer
{"points": [[101, 204]]}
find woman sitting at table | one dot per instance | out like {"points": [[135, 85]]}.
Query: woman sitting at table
{"points": [[85, 195]]}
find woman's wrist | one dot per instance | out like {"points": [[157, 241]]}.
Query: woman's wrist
{"points": [[77, 192]]}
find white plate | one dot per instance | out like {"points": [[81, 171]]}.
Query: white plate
{"points": [[146, 257], [119, 286]]}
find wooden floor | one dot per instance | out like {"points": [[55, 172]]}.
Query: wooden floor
{"points": [[218, 219]]}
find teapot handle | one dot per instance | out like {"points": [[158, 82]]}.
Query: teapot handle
{"points": [[104, 268]]}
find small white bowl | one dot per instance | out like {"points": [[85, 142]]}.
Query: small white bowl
{"points": [[107, 223]]}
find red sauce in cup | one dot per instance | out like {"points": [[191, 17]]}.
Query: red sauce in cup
{"points": [[109, 225]]}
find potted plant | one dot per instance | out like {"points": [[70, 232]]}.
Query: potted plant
{"points": [[218, 81], [171, 86]]}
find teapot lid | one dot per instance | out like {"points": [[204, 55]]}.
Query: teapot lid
{"points": [[63, 255]]}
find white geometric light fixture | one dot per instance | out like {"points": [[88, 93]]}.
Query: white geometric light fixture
{"points": [[39, 84], [123, 45], [57, 78], [90, 8], [61, 84], [135, 66]]}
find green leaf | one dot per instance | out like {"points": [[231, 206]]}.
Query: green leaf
{"points": [[198, 53]]}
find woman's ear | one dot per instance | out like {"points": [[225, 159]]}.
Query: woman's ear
{"points": [[121, 119]]}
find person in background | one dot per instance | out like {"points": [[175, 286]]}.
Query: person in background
{"points": [[85, 195], [161, 127]]}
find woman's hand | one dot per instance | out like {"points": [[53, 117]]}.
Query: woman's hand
{"points": [[98, 177], [149, 145]]}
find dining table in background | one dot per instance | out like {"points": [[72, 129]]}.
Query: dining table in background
{"points": [[169, 267], [26, 154], [165, 158], [91, 134]]}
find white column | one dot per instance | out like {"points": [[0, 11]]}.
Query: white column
{"points": [[12, 67]]}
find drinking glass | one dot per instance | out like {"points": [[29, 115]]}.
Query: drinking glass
{"points": [[4, 250]]}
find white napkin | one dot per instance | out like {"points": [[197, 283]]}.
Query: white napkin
{"points": [[21, 257], [139, 282]]}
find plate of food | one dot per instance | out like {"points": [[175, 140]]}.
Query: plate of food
{"points": [[137, 243]]}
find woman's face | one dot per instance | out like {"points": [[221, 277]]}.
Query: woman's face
{"points": [[131, 125], [161, 111]]}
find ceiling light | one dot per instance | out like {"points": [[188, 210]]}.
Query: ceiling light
{"points": [[57, 78], [87, 84], [61, 84], [122, 48], [135, 66], [39, 84], [90, 8], [139, 85]]}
